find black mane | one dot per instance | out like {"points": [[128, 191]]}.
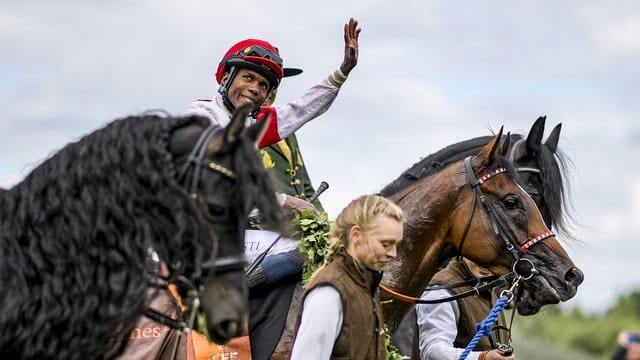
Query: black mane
{"points": [[553, 201], [75, 234]]}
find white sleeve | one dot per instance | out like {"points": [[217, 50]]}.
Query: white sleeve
{"points": [[438, 328], [319, 326], [312, 104]]}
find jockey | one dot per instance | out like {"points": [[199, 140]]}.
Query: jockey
{"points": [[249, 72]]}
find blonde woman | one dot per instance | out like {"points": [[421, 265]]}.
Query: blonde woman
{"points": [[341, 315]]}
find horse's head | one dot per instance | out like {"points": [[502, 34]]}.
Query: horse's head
{"points": [[504, 231], [540, 168], [222, 171]]}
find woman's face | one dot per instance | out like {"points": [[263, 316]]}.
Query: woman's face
{"points": [[377, 247]]}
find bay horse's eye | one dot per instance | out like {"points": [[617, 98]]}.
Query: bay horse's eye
{"points": [[511, 202]]}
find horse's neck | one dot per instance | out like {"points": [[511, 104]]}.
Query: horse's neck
{"points": [[428, 205]]}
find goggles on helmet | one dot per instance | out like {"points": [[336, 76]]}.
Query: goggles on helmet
{"points": [[259, 51]]}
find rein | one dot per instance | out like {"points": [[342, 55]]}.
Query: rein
{"points": [[481, 284]]}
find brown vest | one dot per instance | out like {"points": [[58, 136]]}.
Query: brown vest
{"points": [[473, 309], [361, 336]]}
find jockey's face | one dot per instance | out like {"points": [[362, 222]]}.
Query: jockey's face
{"points": [[247, 86]]}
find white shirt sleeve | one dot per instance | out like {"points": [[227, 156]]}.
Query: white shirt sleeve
{"points": [[319, 326], [313, 103], [438, 328]]}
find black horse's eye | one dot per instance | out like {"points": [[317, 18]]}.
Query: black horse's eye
{"points": [[216, 210], [511, 202]]}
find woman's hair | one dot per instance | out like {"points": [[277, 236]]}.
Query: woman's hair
{"points": [[361, 212]]}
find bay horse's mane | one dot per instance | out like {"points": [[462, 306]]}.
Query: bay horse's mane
{"points": [[553, 165], [92, 212]]}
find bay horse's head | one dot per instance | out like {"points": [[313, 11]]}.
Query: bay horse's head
{"points": [[499, 226], [222, 171]]}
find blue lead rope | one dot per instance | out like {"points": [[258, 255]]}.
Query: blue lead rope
{"points": [[484, 328]]}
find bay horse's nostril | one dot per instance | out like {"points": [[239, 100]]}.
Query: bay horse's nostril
{"points": [[574, 276]]}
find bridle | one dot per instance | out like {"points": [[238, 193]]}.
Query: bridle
{"points": [[189, 177], [522, 269]]}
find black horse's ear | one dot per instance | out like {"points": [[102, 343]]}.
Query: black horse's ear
{"points": [[256, 131], [534, 139], [238, 119], [488, 153], [554, 137], [505, 144]]}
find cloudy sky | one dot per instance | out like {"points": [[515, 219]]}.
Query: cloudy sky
{"points": [[430, 73]]}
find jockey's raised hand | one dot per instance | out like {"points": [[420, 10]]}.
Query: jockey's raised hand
{"points": [[351, 47]]}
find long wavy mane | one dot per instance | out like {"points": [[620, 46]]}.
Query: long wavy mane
{"points": [[75, 235], [554, 203]]}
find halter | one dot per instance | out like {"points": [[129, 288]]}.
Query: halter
{"points": [[190, 176]]}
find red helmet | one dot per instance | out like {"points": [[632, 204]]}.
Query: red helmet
{"points": [[254, 54]]}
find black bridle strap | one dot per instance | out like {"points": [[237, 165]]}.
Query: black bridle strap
{"points": [[165, 320], [195, 158], [493, 217]]}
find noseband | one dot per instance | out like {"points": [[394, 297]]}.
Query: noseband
{"points": [[189, 176], [521, 266]]}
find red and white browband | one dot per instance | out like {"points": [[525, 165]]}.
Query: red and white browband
{"points": [[525, 247], [493, 172]]}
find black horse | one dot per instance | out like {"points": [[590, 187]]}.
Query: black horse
{"points": [[542, 172], [76, 234]]}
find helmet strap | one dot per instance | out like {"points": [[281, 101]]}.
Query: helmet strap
{"points": [[224, 89]]}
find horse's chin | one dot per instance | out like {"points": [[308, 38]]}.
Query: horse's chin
{"points": [[223, 333], [535, 295]]}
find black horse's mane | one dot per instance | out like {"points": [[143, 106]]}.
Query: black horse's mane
{"points": [[75, 234], [553, 202]]}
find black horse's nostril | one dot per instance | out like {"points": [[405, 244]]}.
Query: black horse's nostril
{"points": [[574, 276]]}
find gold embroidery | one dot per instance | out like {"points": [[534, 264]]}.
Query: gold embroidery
{"points": [[267, 162]]}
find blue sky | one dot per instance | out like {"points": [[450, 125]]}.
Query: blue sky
{"points": [[430, 73]]}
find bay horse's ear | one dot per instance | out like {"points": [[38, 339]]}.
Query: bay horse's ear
{"points": [[554, 137], [238, 119], [488, 153], [534, 139], [256, 131]]}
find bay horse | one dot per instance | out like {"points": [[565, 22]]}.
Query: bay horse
{"points": [[507, 230], [437, 206], [76, 233]]}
